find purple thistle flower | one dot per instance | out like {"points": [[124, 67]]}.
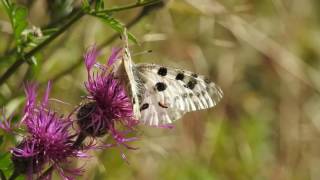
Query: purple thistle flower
{"points": [[91, 57], [27, 158], [31, 93], [114, 56], [49, 139], [108, 103]]}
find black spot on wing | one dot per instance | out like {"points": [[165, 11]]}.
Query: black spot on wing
{"points": [[144, 106], [191, 84], [207, 80], [161, 86], [180, 76], [162, 71]]}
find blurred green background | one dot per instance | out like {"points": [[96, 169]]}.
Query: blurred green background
{"points": [[263, 53]]}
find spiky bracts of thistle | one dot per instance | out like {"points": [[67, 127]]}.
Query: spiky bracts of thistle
{"points": [[108, 104]]}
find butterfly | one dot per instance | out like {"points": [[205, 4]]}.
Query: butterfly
{"points": [[160, 94]]}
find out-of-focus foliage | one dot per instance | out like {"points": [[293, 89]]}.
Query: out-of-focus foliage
{"points": [[17, 17], [263, 53]]}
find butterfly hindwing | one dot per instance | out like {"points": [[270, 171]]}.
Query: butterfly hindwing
{"points": [[153, 113]]}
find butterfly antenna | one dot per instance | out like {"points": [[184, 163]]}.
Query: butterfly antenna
{"points": [[59, 101], [142, 53]]}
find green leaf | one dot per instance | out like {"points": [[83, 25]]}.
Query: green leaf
{"points": [[115, 24], [19, 21], [132, 38], [5, 163], [18, 18], [99, 5], [85, 5]]}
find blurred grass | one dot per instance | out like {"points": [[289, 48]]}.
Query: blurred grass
{"points": [[263, 53]]}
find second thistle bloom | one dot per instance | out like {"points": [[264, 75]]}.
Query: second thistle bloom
{"points": [[49, 139], [108, 103]]}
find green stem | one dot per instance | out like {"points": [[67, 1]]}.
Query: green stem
{"points": [[19, 62], [106, 42], [76, 17], [131, 6]]}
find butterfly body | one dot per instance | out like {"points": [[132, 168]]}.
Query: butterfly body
{"points": [[162, 94]]}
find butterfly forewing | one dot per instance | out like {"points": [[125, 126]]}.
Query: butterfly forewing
{"points": [[127, 66]]}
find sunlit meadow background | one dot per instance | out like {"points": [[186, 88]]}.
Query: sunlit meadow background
{"points": [[263, 53]]}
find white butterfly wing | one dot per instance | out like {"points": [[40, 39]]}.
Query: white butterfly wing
{"points": [[124, 69], [169, 93], [152, 114]]}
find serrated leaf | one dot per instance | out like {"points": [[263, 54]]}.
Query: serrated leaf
{"points": [[99, 5], [18, 16], [116, 25]]}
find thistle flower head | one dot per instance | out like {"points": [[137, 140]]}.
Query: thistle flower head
{"points": [[108, 101], [49, 139]]}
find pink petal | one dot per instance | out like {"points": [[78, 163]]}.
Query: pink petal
{"points": [[114, 56], [31, 93], [90, 57], [46, 95]]}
